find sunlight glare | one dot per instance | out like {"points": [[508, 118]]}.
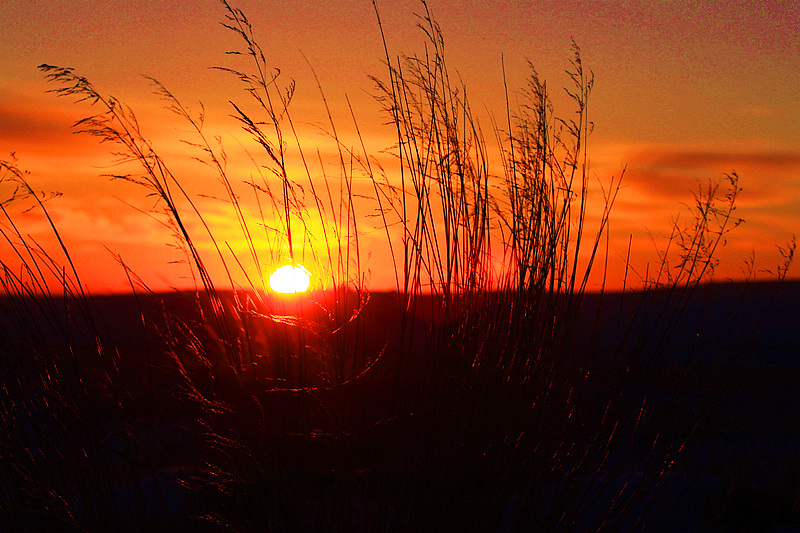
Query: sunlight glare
{"points": [[290, 279]]}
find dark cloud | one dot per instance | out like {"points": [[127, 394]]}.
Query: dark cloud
{"points": [[35, 123], [720, 161], [665, 174], [23, 125]]}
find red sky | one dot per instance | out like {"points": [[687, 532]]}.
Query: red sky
{"points": [[684, 91]]}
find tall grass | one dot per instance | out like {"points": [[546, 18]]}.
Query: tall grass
{"points": [[467, 399]]}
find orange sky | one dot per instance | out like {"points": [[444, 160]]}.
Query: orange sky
{"points": [[684, 91]]}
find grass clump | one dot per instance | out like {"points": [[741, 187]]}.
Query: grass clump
{"points": [[467, 399]]}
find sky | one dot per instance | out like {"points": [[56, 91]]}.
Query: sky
{"points": [[685, 91]]}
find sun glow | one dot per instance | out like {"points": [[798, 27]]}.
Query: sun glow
{"points": [[290, 279]]}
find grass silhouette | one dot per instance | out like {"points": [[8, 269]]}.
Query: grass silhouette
{"points": [[482, 394]]}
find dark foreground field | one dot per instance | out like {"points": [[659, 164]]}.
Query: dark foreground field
{"points": [[121, 417]]}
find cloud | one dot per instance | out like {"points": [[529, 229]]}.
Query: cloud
{"points": [[25, 118], [665, 173], [715, 159]]}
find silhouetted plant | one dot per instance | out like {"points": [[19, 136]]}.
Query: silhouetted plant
{"points": [[467, 399]]}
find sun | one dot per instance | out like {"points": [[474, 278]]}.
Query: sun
{"points": [[290, 279]]}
